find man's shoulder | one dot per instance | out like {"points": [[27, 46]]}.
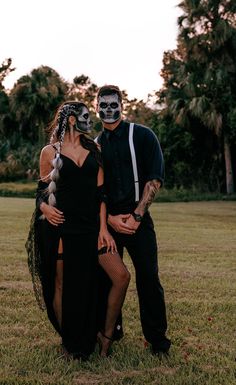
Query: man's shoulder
{"points": [[143, 131]]}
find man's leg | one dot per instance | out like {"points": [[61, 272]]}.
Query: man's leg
{"points": [[142, 248]]}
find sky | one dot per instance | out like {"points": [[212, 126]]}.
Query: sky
{"points": [[113, 42]]}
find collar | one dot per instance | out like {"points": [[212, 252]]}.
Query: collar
{"points": [[117, 131]]}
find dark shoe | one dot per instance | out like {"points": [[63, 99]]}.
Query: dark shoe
{"points": [[118, 333], [104, 344], [66, 354], [80, 356], [73, 355], [161, 347]]}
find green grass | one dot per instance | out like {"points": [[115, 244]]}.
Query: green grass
{"points": [[197, 249], [26, 189]]}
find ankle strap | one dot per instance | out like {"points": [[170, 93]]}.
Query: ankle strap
{"points": [[104, 335]]}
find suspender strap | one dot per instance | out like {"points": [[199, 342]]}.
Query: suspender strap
{"points": [[134, 162]]}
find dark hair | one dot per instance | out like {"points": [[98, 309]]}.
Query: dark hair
{"points": [[110, 90], [90, 145], [51, 129], [55, 134]]}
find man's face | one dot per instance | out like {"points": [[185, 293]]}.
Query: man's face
{"points": [[109, 108], [83, 121]]}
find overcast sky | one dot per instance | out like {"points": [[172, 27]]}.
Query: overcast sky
{"points": [[113, 42]]}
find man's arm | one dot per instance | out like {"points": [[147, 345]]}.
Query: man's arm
{"points": [[153, 165], [149, 193]]}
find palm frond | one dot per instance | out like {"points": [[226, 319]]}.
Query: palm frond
{"points": [[198, 106]]}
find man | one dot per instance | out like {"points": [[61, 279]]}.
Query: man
{"points": [[134, 171]]}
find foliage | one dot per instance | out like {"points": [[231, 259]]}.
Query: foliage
{"points": [[21, 189], [20, 162], [5, 69], [199, 76], [33, 101]]}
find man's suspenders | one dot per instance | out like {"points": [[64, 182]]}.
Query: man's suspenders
{"points": [[134, 162], [133, 158]]}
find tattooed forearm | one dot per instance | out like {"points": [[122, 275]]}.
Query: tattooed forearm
{"points": [[149, 193]]}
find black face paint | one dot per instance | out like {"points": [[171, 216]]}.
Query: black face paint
{"points": [[80, 112], [109, 108], [83, 121]]}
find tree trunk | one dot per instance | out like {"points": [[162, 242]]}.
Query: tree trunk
{"points": [[228, 167]]}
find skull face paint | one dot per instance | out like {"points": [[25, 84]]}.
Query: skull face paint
{"points": [[109, 108], [83, 121]]}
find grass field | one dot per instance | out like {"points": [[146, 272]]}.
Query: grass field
{"points": [[197, 252], [26, 189]]}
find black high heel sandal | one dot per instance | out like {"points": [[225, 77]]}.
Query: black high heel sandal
{"points": [[108, 351]]}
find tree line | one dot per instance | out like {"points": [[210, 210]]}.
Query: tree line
{"points": [[193, 114]]}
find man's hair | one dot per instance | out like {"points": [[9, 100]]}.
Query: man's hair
{"points": [[109, 90]]}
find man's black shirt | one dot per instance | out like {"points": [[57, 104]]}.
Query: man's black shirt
{"points": [[118, 170]]}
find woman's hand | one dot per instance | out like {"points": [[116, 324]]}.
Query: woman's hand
{"points": [[52, 214], [105, 239]]}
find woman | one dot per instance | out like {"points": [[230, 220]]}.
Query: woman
{"points": [[68, 227]]}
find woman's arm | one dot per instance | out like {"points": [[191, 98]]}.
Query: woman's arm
{"points": [[45, 162], [52, 214]]}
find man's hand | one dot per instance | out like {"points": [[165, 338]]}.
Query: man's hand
{"points": [[52, 214], [119, 223], [132, 223]]}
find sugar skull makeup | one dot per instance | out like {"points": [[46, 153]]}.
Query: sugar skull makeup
{"points": [[83, 121], [109, 108]]}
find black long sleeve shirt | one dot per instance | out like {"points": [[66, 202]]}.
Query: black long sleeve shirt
{"points": [[118, 170]]}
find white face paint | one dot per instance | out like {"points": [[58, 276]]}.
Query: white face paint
{"points": [[83, 121], [109, 108]]}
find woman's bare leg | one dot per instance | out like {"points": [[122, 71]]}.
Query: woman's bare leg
{"points": [[120, 277], [57, 300]]}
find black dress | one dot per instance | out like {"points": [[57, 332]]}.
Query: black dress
{"points": [[77, 198]]}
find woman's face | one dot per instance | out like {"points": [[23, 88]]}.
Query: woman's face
{"points": [[83, 121]]}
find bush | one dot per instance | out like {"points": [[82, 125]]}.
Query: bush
{"points": [[20, 163]]}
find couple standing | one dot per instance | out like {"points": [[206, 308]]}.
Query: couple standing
{"points": [[86, 217]]}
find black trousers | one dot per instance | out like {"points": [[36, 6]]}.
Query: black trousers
{"points": [[142, 248]]}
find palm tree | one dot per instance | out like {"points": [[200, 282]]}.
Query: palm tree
{"points": [[200, 75], [34, 99]]}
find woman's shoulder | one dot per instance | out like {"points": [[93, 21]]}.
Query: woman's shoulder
{"points": [[50, 149]]}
